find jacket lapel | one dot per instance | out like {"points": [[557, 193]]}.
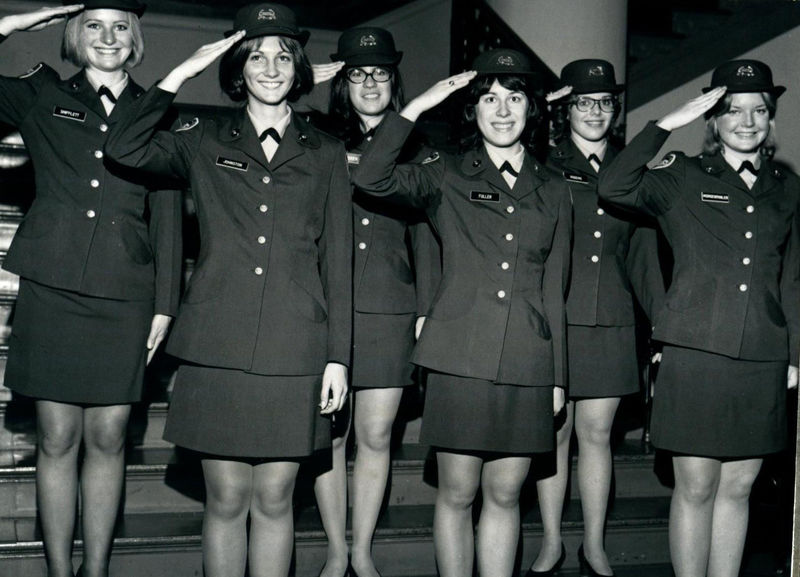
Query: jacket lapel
{"points": [[79, 88]]}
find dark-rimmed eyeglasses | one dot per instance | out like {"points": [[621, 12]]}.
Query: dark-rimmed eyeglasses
{"points": [[586, 103], [378, 74]]}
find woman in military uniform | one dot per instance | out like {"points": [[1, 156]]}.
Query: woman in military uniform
{"points": [[264, 327], [99, 278], [494, 339], [395, 259], [609, 254], [731, 320]]}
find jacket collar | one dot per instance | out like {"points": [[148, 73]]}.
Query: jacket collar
{"points": [[477, 164], [567, 156], [769, 175], [79, 87]]}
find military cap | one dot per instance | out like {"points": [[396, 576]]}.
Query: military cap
{"points": [[590, 75], [126, 5], [268, 19], [367, 46], [744, 76], [502, 61]]}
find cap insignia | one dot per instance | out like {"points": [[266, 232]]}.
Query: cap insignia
{"points": [[367, 40], [267, 14], [596, 71], [746, 71], [505, 60]]}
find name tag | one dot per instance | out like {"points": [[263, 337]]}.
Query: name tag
{"points": [[230, 163], [76, 115], [573, 177], [711, 197], [478, 196], [353, 158]]}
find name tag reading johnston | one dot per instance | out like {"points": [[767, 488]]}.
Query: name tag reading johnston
{"points": [[230, 163], [76, 115], [479, 196]]}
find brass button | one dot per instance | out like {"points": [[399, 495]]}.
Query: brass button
{"points": [[262, 239], [91, 214], [263, 208]]}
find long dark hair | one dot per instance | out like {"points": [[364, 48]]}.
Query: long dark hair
{"points": [[344, 121], [231, 68], [712, 143], [480, 86]]}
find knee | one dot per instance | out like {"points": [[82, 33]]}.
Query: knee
{"points": [[696, 490], [106, 437], [375, 437], [456, 495], [273, 500], [502, 495], [59, 441], [593, 433], [228, 501], [736, 489]]}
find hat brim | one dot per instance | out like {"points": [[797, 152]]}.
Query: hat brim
{"points": [[268, 30], [369, 59], [776, 91], [505, 72], [615, 89], [116, 6]]}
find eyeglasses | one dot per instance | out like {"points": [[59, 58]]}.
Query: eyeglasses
{"points": [[378, 74], [585, 103]]}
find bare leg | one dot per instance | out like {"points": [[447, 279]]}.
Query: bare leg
{"points": [[551, 492], [229, 490], [453, 537], [272, 519], [59, 431], [731, 512], [330, 489], [691, 514], [102, 478], [593, 420], [375, 412], [498, 528]]}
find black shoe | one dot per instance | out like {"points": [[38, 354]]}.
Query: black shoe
{"points": [[553, 570], [586, 569]]}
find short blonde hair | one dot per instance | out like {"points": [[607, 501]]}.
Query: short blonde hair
{"points": [[72, 52]]}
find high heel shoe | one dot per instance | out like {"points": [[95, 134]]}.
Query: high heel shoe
{"points": [[553, 570], [586, 569]]}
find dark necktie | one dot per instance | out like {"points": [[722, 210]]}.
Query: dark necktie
{"points": [[270, 132], [748, 166], [509, 169], [594, 160], [369, 134], [105, 91]]}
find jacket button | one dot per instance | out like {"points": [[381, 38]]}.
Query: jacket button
{"points": [[510, 209], [262, 239], [94, 183], [750, 208], [265, 180], [501, 294], [476, 163], [104, 127], [504, 265], [303, 137], [743, 288], [362, 245], [509, 237], [595, 258], [748, 235], [600, 211], [263, 208], [365, 221], [98, 154], [746, 261], [597, 234], [258, 270], [709, 169], [235, 132], [91, 214]]}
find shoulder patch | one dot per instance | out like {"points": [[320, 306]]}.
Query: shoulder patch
{"points": [[433, 157], [667, 161], [33, 70], [188, 125]]}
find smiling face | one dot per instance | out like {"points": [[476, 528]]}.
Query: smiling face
{"points": [[269, 72], [370, 99], [594, 124], [106, 40], [746, 124], [501, 115]]}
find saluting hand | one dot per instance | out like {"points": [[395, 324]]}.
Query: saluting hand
{"points": [[692, 110], [324, 72], [436, 94], [334, 388], [197, 62], [37, 19], [560, 93], [158, 332]]}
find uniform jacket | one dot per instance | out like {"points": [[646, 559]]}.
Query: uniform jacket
{"points": [[87, 229], [613, 255], [271, 291], [735, 285], [397, 260], [499, 311]]}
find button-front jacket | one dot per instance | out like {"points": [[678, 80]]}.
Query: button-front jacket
{"points": [[614, 256], [735, 287], [499, 311], [271, 291], [87, 230]]}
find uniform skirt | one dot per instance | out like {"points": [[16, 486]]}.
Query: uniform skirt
{"points": [[382, 345], [602, 361], [75, 348], [475, 415], [231, 413], [710, 405]]}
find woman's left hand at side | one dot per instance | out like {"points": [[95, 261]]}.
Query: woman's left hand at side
{"points": [[324, 72], [559, 400], [158, 332], [334, 388], [791, 377]]}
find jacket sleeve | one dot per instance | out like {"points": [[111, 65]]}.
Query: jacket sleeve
{"points": [[18, 95], [627, 182], [136, 142], [166, 239], [379, 174], [427, 264], [790, 287], [643, 268], [336, 266], [554, 287]]}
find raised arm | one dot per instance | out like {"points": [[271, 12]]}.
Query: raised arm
{"points": [[37, 19]]}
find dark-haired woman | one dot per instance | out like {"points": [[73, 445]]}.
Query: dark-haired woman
{"points": [[98, 278], [731, 320], [264, 327], [494, 339], [392, 254], [609, 254]]}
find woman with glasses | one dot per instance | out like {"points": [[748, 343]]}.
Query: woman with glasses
{"points": [[493, 341], [731, 319], [264, 327], [609, 254], [99, 260], [393, 255]]}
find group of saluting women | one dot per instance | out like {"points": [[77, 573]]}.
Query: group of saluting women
{"points": [[510, 281]]}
